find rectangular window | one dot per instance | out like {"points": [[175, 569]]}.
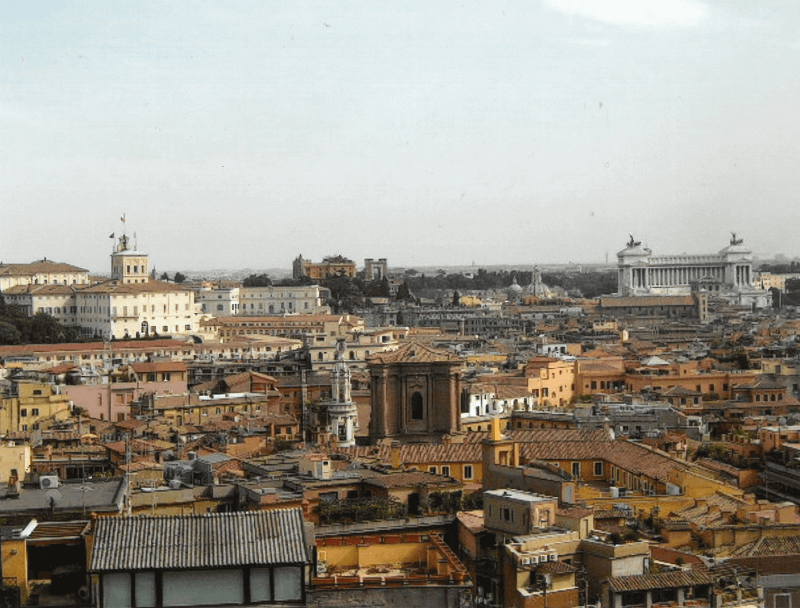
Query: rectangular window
{"points": [[433, 470], [117, 590], [260, 588], [468, 471], [145, 584], [598, 469], [202, 588], [446, 471], [23, 413], [576, 469], [288, 583], [783, 600], [35, 411]]}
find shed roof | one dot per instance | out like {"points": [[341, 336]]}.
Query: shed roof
{"points": [[199, 541]]}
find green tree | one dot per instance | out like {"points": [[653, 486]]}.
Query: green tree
{"points": [[257, 280], [180, 277], [403, 292]]}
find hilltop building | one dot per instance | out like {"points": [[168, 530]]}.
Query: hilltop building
{"points": [[375, 270], [331, 266]]}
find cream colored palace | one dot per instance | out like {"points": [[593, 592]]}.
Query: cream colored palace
{"points": [[129, 304]]}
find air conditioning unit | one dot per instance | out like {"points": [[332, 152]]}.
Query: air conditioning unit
{"points": [[48, 481]]}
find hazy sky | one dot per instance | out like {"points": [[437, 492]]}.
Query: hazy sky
{"points": [[242, 134]]}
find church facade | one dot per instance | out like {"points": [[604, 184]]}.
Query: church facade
{"points": [[415, 394]]}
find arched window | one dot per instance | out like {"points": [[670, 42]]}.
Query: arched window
{"points": [[416, 406]]}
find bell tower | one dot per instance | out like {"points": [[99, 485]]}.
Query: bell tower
{"points": [[129, 265], [342, 411]]}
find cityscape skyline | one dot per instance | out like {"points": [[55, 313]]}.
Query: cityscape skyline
{"points": [[233, 135]]}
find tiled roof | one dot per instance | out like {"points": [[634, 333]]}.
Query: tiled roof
{"points": [[420, 453], [760, 384], [556, 567], [772, 545], [200, 541], [662, 580], [40, 290], [574, 512], [244, 319], [409, 480], [472, 520], [114, 286], [88, 347], [613, 302], [159, 366], [413, 352], [545, 435], [501, 391], [625, 455], [38, 266], [712, 512]]}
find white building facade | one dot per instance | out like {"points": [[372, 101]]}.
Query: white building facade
{"points": [[727, 274], [272, 299], [43, 272]]}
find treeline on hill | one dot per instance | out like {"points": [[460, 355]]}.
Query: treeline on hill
{"points": [[348, 294], [587, 284], [18, 328], [584, 284], [790, 268]]}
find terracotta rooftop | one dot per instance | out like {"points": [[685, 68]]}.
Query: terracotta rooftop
{"points": [[663, 580], [113, 286], [409, 480], [413, 352], [472, 520], [770, 545], [415, 454], [640, 301], [38, 266], [40, 290], [158, 366]]}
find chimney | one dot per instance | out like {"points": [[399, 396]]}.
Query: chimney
{"points": [[496, 433], [395, 450]]}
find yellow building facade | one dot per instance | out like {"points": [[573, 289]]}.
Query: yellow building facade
{"points": [[34, 405]]}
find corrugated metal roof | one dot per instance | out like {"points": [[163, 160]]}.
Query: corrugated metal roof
{"points": [[199, 541]]}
